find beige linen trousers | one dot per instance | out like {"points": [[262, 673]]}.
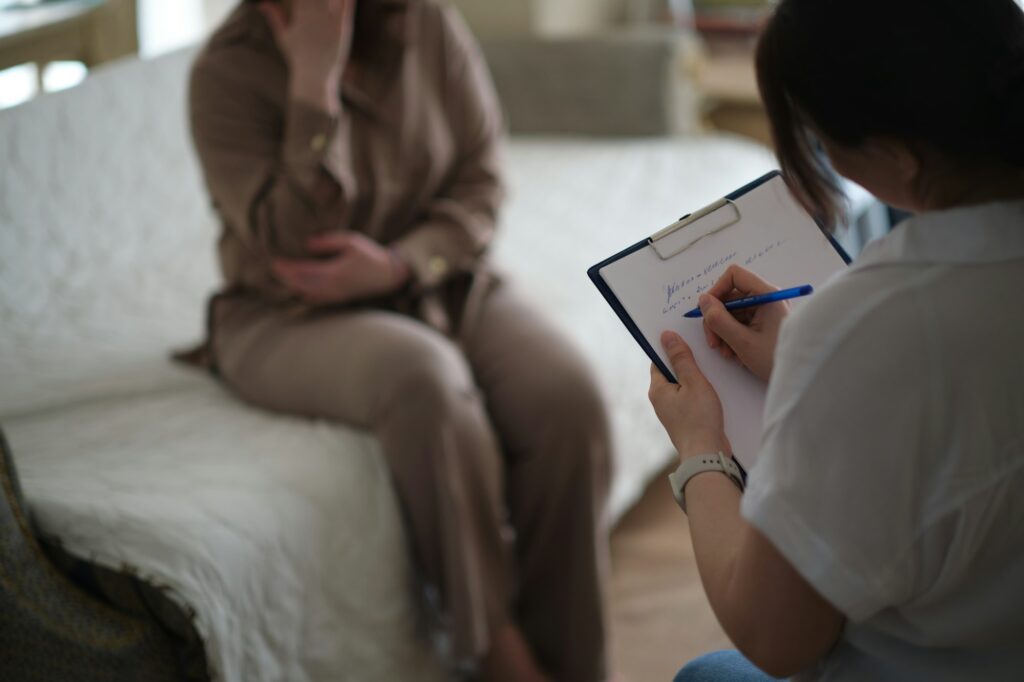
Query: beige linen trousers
{"points": [[492, 427]]}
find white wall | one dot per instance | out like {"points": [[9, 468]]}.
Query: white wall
{"points": [[165, 25], [217, 10]]}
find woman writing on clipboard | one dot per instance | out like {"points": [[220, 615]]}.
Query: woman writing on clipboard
{"points": [[881, 533]]}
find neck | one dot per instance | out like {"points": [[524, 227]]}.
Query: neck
{"points": [[978, 186]]}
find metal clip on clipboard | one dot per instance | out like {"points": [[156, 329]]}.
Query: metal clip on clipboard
{"points": [[666, 251]]}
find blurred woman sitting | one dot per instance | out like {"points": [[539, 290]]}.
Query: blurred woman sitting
{"points": [[352, 152]]}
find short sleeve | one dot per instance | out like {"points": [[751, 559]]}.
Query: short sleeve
{"points": [[835, 487]]}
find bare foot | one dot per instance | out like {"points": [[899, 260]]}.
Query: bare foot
{"points": [[510, 659]]}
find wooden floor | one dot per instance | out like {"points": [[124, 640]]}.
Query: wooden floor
{"points": [[660, 616]]}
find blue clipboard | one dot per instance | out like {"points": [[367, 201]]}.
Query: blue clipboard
{"points": [[594, 272]]}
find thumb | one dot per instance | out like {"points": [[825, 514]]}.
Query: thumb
{"points": [[721, 322], [680, 357]]}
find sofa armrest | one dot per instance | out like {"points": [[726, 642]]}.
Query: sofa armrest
{"points": [[620, 84]]}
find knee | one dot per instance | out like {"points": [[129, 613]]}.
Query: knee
{"points": [[580, 402], [430, 375], [573, 405], [569, 426], [706, 668], [719, 666], [562, 390]]}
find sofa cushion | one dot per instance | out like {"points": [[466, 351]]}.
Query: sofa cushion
{"points": [[624, 84]]}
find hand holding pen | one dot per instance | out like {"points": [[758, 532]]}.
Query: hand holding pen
{"points": [[759, 299], [749, 332]]}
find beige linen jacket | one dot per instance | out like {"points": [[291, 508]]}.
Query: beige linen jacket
{"points": [[413, 159]]}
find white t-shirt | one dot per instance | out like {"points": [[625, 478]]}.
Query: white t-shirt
{"points": [[891, 473]]}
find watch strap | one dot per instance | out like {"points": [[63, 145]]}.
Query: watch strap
{"points": [[698, 465]]}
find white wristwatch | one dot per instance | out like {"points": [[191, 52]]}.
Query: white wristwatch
{"points": [[698, 465]]}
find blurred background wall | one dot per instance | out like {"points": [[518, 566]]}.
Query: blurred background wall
{"points": [[718, 91], [166, 25]]}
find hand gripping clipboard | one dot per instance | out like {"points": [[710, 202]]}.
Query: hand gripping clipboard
{"points": [[652, 283]]}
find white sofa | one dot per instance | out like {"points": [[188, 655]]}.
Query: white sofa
{"points": [[282, 534]]}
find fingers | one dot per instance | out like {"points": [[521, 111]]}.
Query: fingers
{"points": [[715, 343], [311, 283], [303, 268], [348, 12], [721, 324], [712, 338], [308, 278], [296, 281], [658, 381], [680, 357], [741, 279], [276, 16], [329, 242], [660, 389]]}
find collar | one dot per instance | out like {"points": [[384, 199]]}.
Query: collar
{"points": [[984, 233]]}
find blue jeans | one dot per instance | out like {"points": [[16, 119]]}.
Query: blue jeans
{"points": [[721, 666]]}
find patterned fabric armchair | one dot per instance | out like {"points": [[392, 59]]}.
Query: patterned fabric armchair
{"points": [[50, 629]]}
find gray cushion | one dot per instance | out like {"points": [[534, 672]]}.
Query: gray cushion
{"points": [[616, 85]]}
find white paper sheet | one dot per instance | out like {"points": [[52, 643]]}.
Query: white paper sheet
{"points": [[775, 238]]}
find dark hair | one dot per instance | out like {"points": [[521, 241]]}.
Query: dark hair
{"points": [[948, 74]]}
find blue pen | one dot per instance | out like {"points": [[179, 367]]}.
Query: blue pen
{"points": [[760, 299]]}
